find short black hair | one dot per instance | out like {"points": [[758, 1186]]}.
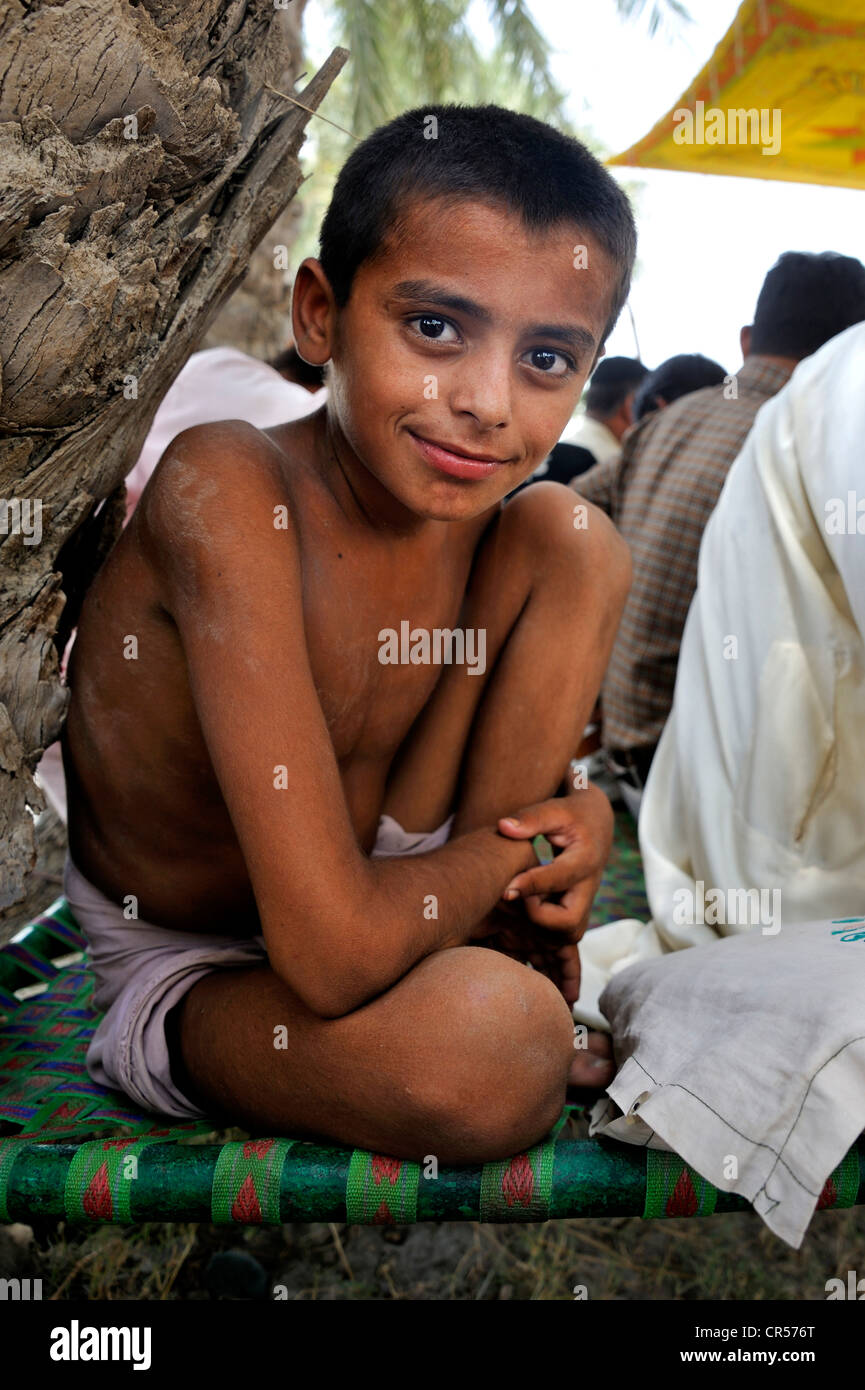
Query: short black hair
{"points": [[290, 363], [678, 376], [487, 154], [807, 299], [612, 382]]}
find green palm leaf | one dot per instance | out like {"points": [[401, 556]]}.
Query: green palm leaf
{"points": [[669, 14]]}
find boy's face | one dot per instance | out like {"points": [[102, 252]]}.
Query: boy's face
{"points": [[462, 352]]}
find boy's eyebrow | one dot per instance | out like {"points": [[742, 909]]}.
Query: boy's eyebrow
{"points": [[425, 291], [579, 338], [430, 294]]}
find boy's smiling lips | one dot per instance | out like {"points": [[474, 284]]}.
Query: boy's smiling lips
{"points": [[454, 460]]}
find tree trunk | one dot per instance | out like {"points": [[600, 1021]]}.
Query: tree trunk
{"points": [[257, 316], [142, 159]]}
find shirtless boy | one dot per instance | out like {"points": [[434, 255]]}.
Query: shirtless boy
{"points": [[236, 749]]}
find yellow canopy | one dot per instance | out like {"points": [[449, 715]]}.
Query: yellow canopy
{"points": [[782, 97]]}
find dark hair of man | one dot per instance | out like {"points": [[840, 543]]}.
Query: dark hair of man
{"points": [[678, 376], [290, 363], [483, 153], [612, 382], [807, 299]]}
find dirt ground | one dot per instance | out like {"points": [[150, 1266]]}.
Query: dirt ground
{"points": [[717, 1257]]}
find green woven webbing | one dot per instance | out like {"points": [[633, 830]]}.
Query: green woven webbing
{"points": [[673, 1188], [519, 1188], [246, 1181], [381, 1191], [9, 1150], [842, 1186], [100, 1180]]}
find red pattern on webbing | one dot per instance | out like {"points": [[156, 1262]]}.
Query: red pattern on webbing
{"points": [[97, 1201], [518, 1181], [385, 1169], [246, 1206], [683, 1199], [68, 1111], [829, 1196], [384, 1216], [257, 1147]]}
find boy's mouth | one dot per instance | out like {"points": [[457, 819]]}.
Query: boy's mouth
{"points": [[454, 460]]}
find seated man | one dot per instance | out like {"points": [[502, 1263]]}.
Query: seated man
{"points": [[596, 433], [759, 784], [599, 429], [259, 706], [676, 377], [662, 491], [753, 811]]}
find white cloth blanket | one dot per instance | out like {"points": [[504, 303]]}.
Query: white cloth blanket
{"points": [[753, 816], [747, 1058]]}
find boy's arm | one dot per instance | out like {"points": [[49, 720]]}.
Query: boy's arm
{"points": [[339, 928]]}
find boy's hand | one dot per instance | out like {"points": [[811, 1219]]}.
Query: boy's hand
{"points": [[581, 825], [508, 930]]}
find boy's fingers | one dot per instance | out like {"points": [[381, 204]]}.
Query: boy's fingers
{"points": [[571, 991], [546, 817], [569, 959], [571, 910], [571, 979], [558, 917], [559, 876]]}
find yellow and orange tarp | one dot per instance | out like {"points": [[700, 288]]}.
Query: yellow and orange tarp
{"points": [[805, 61]]}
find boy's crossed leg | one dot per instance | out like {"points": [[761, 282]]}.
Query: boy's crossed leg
{"points": [[465, 1058]]}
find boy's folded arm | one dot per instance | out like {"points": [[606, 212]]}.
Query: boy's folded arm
{"points": [[339, 928]]}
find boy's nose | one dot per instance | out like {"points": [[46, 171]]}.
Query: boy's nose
{"points": [[483, 390]]}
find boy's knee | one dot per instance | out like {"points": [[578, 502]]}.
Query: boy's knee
{"points": [[574, 537], [498, 1082]]}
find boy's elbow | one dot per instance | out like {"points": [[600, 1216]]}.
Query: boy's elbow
{"points": [[326, 989], [333, 970]]}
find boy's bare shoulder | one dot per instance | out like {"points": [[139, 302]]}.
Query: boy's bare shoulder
{"points": [[209, 465], [556, 521], [215, 492]]}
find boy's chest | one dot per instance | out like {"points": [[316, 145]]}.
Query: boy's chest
{"points": [[377, 649]]}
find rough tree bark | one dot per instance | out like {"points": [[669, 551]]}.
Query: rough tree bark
{"points": [[257, 316], [142, 158]]}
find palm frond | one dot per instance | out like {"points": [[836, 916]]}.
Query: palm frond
{"points": [[671, 15], [526, 48], [364, 29], [439, 48]]}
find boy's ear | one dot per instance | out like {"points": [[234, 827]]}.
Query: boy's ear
{"points": [[313, 313]]}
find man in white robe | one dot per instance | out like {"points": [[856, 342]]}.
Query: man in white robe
{"points": [[754, 811]]}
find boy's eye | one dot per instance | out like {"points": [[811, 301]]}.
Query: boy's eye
{"points": [[549, 362], [431, 326]]}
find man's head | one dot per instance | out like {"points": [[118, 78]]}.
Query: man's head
{"points": [[473, 261], [610, 397], [806, 299], [292, 367], [678, 376]]}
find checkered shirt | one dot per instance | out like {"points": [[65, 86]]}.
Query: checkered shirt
{"points": [[660, 493]]}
